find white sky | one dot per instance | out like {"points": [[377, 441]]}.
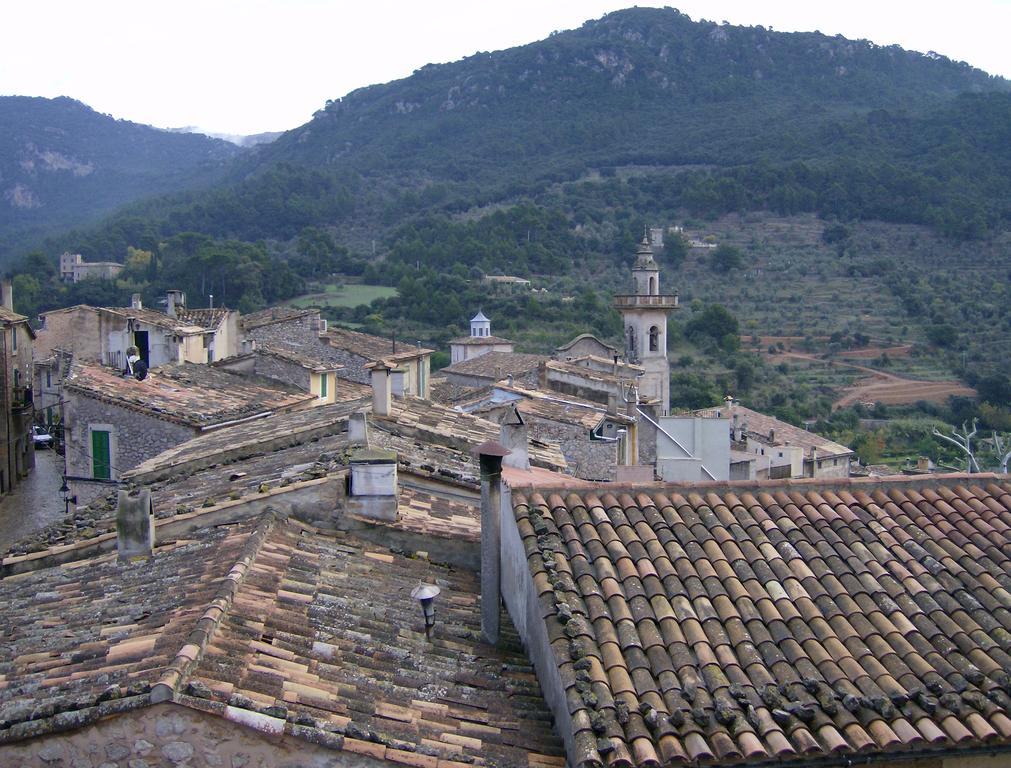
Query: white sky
{"points": [[247, 66]]}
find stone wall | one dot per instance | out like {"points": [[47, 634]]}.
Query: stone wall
{"points": [[587, 459], [74, 330], [282, 370], [135, 436], [174, 735], [299, 330]]}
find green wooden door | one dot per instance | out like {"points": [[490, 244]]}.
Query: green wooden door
{"points": [[100, 460]]}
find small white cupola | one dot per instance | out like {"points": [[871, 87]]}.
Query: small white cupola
{"points": [[480, 325]]}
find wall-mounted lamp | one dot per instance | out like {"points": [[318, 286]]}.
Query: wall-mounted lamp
{"points": [[426, 594], [67, 498]]}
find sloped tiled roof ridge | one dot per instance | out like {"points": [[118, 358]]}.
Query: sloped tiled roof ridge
{"points": [[757, 625]]}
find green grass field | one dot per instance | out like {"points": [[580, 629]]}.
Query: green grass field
{"points": [[343, 296]]}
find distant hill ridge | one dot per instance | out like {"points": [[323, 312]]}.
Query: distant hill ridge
{"points": [[726, 117], [640, 85], [62, 163]]}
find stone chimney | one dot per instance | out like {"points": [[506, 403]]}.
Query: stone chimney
{"points": [[373, 484], [358, 429], [135, 302], [381, 388], [134, 525], [513, 435], [398, 382], [174, 299], [7, 294], [490, 455]]}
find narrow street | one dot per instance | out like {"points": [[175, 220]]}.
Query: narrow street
{"points": [[35, 502]]}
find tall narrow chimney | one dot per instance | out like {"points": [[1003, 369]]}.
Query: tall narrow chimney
{"points": [[490, 455], [358, 429], [513, 434], [7, 294], [381, 389], [134, 525], [175, 300]]}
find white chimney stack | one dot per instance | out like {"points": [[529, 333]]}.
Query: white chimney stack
{"points": [[7, 294], [381, 389], [135, 302]]}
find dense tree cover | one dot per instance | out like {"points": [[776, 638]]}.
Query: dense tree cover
{"points": [[64, 164], [807, 123], [237, 274], [522, 240]]}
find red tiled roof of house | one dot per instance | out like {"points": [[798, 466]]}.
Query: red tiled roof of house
{"points": [[371, 347], [767, 622], [273, 621], [199, 396]]}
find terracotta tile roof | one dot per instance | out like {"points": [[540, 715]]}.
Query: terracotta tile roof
{"points": [[444, 426], [273, 315], [585, 371], [553, 406], [774, 621], [209, 319], [8, 316], [253, 438], [430, 514], [153, 317], [299, 356], [370, 347], [299, 639], [199, 396], [496, 365], [759, 425], [445, 392], [271, 623], [97, 631]]}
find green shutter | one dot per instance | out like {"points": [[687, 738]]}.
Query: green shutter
{"points": [[100, 460], [323, 385]]}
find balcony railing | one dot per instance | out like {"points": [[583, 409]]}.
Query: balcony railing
{"points": [[659, 301]]}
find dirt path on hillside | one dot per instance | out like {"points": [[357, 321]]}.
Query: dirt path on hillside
{"points": [[887, 388]]}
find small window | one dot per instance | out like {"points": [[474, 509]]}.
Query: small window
{"points": [[49, 378], [14, 338], [654, 339], [101, 458], [323, 385], [17, 378]]}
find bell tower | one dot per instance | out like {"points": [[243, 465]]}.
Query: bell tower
{"points": [[644, 314]]}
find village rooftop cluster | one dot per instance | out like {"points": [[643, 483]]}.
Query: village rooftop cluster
{"points": [[297, 544]]}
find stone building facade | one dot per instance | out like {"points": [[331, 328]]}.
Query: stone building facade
{"points": [[17, 450], [131, 437]]}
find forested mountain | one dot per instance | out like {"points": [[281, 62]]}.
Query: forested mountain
{"points": [[548, 159], [723, 118], [63, 164]]}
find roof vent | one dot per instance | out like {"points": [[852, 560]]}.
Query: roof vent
{"points": [[425, 594]]}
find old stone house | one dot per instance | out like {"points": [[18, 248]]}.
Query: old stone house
{"points": [[104, 334], [17, 450], [594, 441], [779, 449], [356, 351], [113, 423], [282, 325], [74, 269], [645, 625], [289, 364]]}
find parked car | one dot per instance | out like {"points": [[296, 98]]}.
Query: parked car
{"points": [[41, 437]]}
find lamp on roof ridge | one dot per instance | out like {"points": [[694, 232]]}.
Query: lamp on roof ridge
{"points": [[426, 594]]}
